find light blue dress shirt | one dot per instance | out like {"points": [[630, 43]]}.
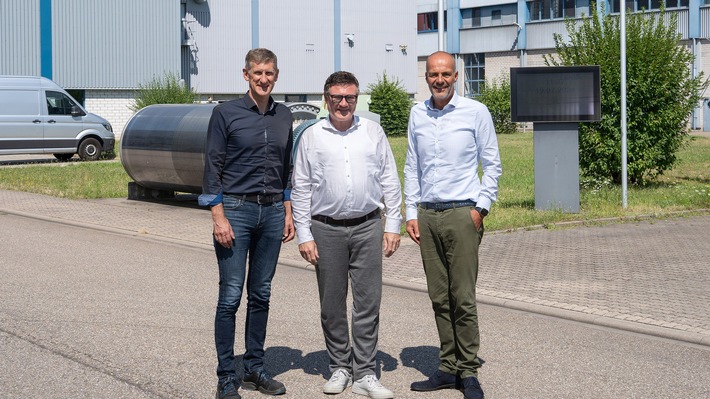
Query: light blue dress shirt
{"points": [[445, 149]]}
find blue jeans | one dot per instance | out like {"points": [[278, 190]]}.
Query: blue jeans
{"points": [[258, 230]]}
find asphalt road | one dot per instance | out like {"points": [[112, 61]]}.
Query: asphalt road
{"points": [[91, 314]]}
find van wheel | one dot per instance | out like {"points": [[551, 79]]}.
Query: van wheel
{"points": [[63, 157], [89, 150]]}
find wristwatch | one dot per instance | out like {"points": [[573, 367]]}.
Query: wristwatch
{"points": [[482, 211]]}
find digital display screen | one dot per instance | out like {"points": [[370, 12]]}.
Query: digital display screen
{"points": [[555, 94]]}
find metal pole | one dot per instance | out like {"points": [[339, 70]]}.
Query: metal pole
{"points": [[624, 194], [441, 25]]}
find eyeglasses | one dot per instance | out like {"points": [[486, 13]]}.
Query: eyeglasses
{"points": [[351, 99]]}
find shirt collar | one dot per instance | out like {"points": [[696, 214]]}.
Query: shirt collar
{"points": [[329, 126], [249, 102], [453, 103]]}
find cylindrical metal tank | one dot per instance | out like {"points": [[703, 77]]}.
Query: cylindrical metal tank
{"points": [[163, 146]]}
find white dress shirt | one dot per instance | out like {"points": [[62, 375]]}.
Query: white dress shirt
{"points": [[444, 150], [344, 175]]}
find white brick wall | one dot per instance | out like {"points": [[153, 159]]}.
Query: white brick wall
{"points": [[498, 65], [112, 105], [535, 57]]}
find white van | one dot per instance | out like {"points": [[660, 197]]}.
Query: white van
{"points": [[39, 117]]}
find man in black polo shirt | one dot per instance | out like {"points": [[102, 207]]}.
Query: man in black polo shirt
{"points": [[247, 168]]}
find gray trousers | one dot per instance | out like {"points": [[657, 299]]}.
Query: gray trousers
{"points": [[355, 252]]}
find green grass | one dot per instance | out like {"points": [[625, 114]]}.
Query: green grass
{"points": [[105, 179], [686, 187]]}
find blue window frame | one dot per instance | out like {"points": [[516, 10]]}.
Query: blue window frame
{"points": [[474, 74]]}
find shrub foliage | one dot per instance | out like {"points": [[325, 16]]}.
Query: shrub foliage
{"points": [[165, 90], [661, 93], [496, 96], [389, 99]]}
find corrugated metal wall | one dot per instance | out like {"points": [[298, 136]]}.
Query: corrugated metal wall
{"points": [[114, 44], [491, 39], [19, 37], [221, 32], [301, 35], [540, 35], [705, 22], [428, 43], [393, 23]]}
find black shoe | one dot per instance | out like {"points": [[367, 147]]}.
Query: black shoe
{"points": [[440, 380], [262, 381], [227, 390], [471, 388]]}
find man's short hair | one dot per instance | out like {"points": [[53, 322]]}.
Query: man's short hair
{"points": [[341, 78], [260, 56]]}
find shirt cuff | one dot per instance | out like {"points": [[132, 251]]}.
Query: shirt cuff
{"points": [[304, 234], [287, 194], [392, 225], [484, 203], [209, 199], [411, 213]]}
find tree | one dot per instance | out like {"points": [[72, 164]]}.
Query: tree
{"points": [[661, 93], [166, 90], [496, 96], [389, 99]]}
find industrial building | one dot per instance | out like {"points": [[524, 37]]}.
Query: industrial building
{"points": [[101, 50], [491, 36]]}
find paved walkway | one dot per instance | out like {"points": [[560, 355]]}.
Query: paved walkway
{"points": [[648, 276]]}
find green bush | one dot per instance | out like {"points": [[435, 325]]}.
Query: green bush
{"points": [[389, 99], [496, 96], [661, 93], [166, 90]]}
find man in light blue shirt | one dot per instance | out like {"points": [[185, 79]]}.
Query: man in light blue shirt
{"points": [[446, 201]]}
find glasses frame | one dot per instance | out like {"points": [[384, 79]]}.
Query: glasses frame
{"points": [[350, 99]]}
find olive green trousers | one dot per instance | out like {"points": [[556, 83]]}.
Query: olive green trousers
{"points": [[449, 246]]}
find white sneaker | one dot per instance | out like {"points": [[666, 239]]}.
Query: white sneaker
{"points": [[370, 386], [337, 382]]}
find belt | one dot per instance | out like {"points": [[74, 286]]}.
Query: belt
{"points": [[442, 206], [261, 199], [347, 222]]}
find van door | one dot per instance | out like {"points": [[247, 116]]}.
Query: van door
{"points": [[21, 123], [61, 129]]}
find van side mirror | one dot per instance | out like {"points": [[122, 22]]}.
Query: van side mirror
{"points": [[76, 111]]}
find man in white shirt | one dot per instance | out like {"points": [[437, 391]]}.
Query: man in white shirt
{"points": [[344, 174], [449, 136]]}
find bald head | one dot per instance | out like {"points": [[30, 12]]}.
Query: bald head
{"points": [[441, 77], [440, 57]]}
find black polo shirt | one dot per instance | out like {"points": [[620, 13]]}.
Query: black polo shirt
{"points": [[247, 152]]}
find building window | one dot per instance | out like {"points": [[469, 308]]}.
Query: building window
{"points": [[556, 9], [474, 74], [471, 17], [539, 9], [495, 15], [638, 5], [429, 21]]}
